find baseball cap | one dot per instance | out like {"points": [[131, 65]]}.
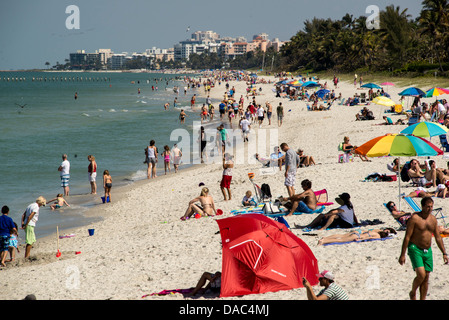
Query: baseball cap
{"points": [[326, 274]]}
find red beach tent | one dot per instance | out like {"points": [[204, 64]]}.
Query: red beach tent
{"points": [[262, 255]]}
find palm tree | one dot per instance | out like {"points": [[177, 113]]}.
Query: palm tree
{"points": [[434, 22], [47, 64]]}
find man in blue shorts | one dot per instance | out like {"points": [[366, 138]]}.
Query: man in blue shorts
{"points": [[421, 227], [304, 202]]}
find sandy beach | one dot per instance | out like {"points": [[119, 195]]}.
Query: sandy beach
{"points": [[141, 246]]}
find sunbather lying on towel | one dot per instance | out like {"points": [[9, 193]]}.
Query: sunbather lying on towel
{"points": [[420, 192], [358, 235]]}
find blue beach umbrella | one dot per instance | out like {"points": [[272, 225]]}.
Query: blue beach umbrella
{"points": [[412, 91], [310, 84], [321, 93], [371, 86]]}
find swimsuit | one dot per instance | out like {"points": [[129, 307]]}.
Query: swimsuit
{"points": [[420, 257]]}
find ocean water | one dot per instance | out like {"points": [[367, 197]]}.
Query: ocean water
{"points": [[40, 120]]}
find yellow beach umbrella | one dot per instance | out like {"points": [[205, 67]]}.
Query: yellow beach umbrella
{"points": [[384, 101]]}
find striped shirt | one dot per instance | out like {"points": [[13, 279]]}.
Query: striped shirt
{"points": [[334, 292]]}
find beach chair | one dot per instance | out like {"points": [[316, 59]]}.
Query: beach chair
{"points": [[438, 212], [363, 97], [322, 198], [401, 226], [398, 108], [309, 108], [444, 143], [413, 119]]}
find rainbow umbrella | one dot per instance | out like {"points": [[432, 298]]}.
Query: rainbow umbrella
{"points": [[435, 92], [295, 83], [426, 129], [398, 145]]}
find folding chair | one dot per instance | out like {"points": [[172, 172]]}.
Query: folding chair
{"points": [[444, 142], [322, 198], [413, 119], [415, 207], [402, 226]]}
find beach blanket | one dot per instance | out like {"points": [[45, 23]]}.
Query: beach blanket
{"points": [[360, 241]]}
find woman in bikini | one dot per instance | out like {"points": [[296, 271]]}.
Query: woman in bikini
{"points": [[358, 236], [207, 207]]}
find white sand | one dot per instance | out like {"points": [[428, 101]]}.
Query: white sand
{"points": [[142, 247]]}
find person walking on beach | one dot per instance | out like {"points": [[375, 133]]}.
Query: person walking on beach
{"points": [[182, 116], [280, 113], [92, 170], [331, 290], [7, 227], [107, 185], [151, 159], [421, 227], [64, 170], [166, 155], [29, 220], [177, 155], [222, 137], [291, 164]]}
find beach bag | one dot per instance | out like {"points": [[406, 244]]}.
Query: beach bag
{"points": [[266, 191], [404, 172]]}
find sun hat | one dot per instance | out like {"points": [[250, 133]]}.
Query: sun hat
{"points": [[326, 274], [343, 198]]}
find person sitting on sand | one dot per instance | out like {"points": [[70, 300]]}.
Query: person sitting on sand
{"points": [[331, 290], [388, 121], [304, 202], [60, 202], [357, 235], [207, 207], [305, 160], [214, 283], [248, 200], [342, 217], [401, 216]]}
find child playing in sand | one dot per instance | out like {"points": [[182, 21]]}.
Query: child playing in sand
{"points": [[166, 155], [60, 202], [107, 184], [248, 199]]}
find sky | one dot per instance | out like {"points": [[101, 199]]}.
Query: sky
{"points": [[33, 32]]}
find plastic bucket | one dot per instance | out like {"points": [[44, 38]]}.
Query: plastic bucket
{"points": [[91, 232]]}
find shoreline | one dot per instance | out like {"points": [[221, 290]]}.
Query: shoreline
{"points": [[142, 247]]}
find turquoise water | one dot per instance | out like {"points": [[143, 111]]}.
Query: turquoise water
{"points": [[109, 120]]}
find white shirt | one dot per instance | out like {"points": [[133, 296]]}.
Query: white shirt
{"points": [[34, 207], [65, 167], [260, 112], [245, 125], [347, 214]]}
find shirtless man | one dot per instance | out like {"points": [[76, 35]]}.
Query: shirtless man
{"points": [[269, 112], [430, 176], [303, 202], [418, 241]]}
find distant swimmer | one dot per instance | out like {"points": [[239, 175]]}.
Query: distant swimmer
{"points": [[166, 106], [138, 90], [76, 95], [22, 106]]}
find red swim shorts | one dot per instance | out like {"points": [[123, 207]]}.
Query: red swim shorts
{"points": [[226, 182]]}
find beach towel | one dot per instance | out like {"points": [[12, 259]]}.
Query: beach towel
{"points": [[167, 292], [274, 215], [360, 241]]}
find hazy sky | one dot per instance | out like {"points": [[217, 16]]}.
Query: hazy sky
{"points": [[34, 31]]}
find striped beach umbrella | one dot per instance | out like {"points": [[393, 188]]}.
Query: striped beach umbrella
{"points": [[398, 145], [426, 129], [435, 92]]}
